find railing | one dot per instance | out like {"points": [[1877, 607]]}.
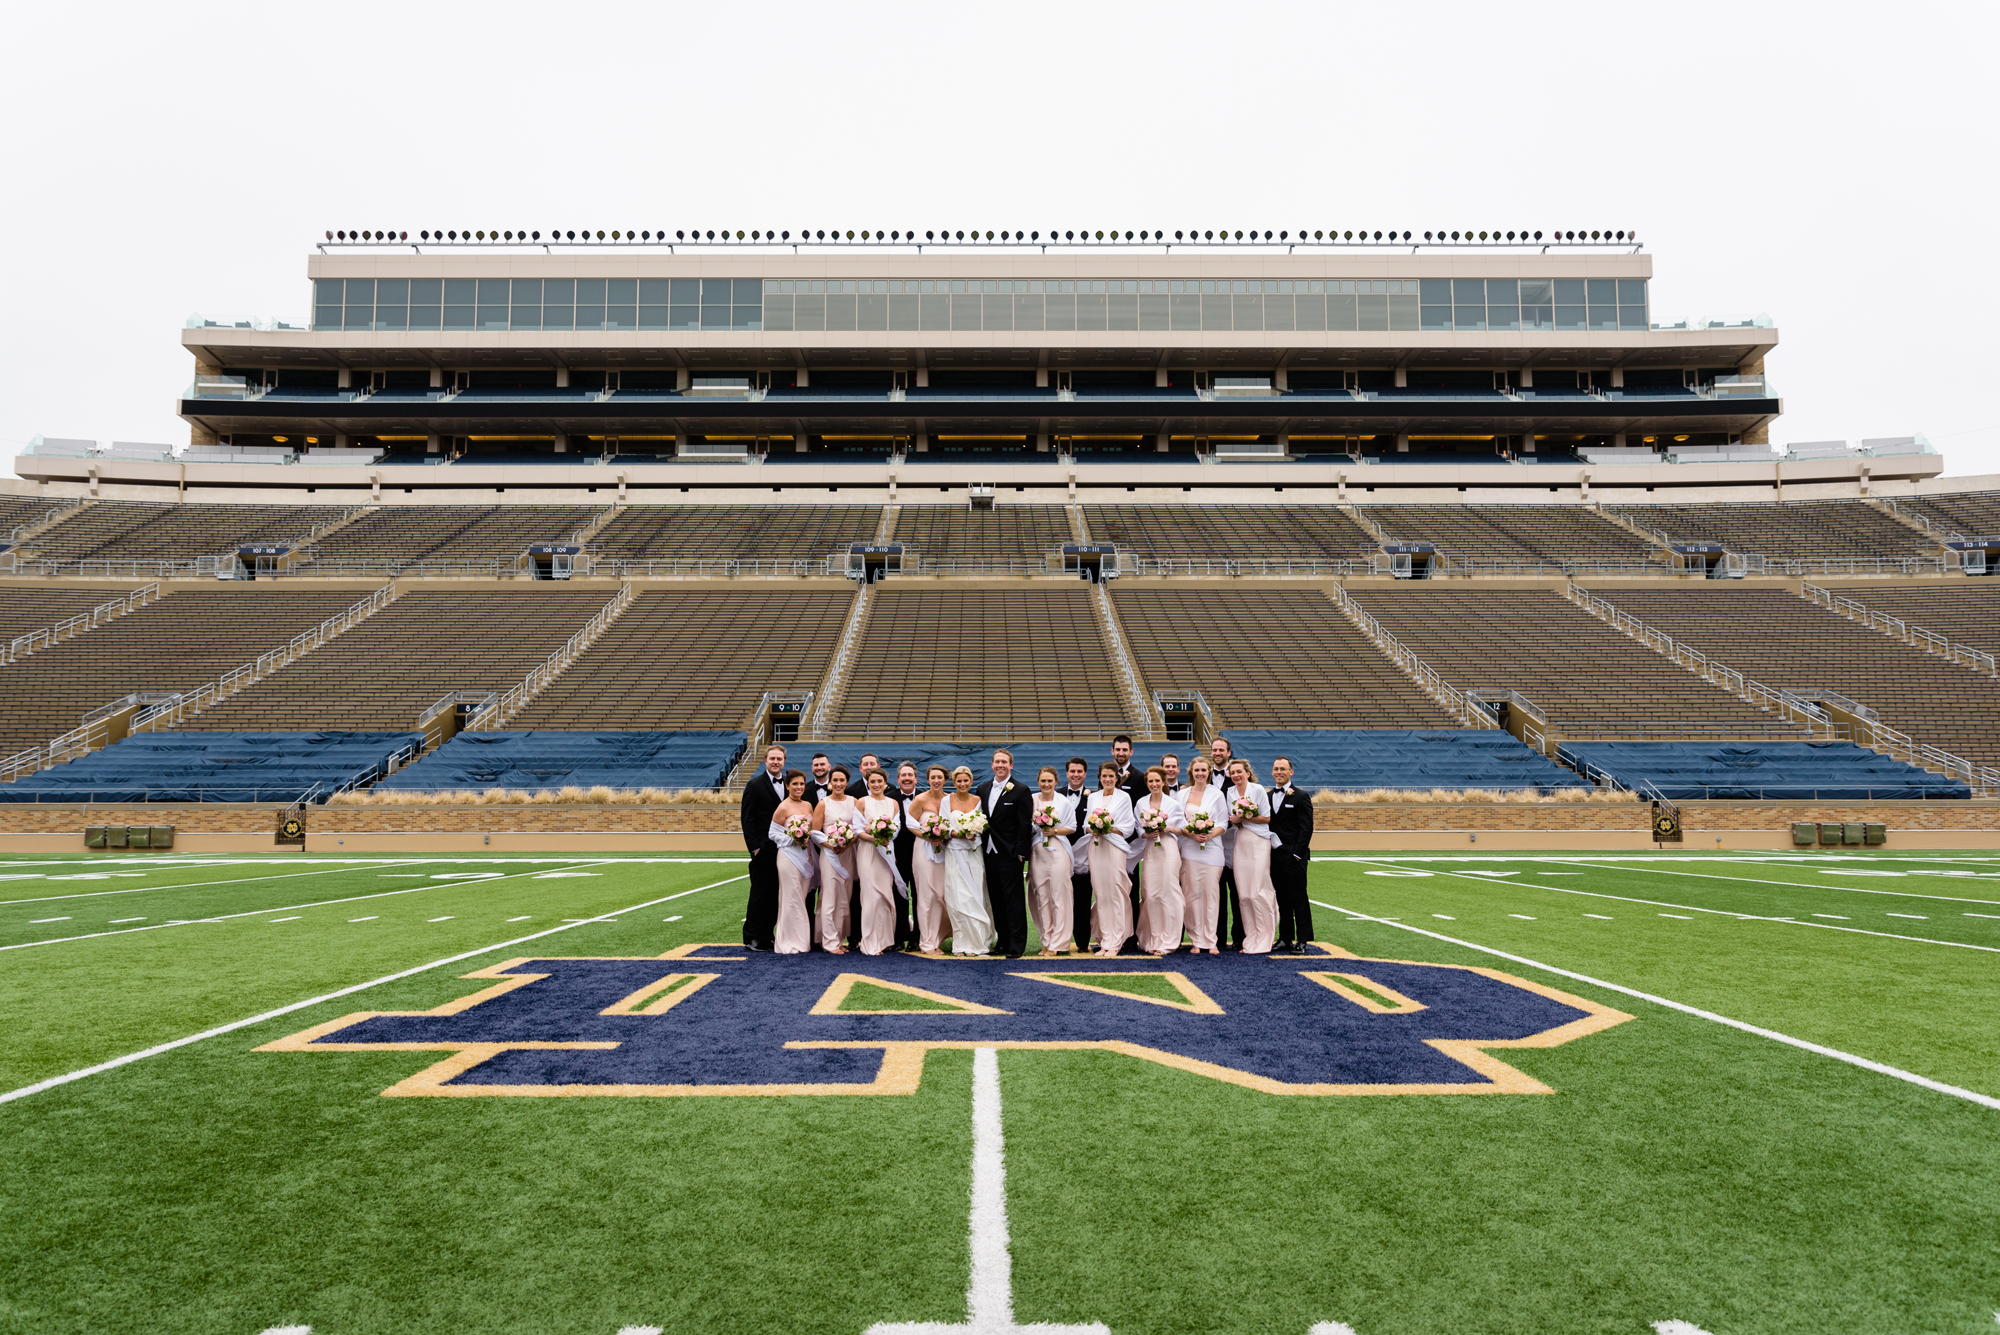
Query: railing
{"points": [[511, 702], [200, 567], [1976, 659], [1454, 700], [1210, 724], [23, 645], [963, 729], [1535, 729], [1703, 732], [1323, 568], [1933, 530], [758, 734], [1455, 566], [834, 685], [41, 521], [1146, 722]]}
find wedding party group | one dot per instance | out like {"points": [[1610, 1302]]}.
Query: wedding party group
{"points": [[1146, 861]]}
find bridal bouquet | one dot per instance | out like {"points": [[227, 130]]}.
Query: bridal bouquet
{"points": [[1045, 820], [881, 830], [1152, 822], [933, 826], [1200, 823], [797, 828], [839, 834], [968, 824], [1100, 823], [1242, 808]]}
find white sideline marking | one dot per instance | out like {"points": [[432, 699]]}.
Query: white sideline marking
{"points": [[1601, 917], [464, 875], [1983, 915], [559, 875], [1801, 885], [1394, 871], [989, 1292], [1855, 871], [154, 1051], [1678, 1328], [1841, 917], [1866, 1064], [523, 918], [189, 885]]}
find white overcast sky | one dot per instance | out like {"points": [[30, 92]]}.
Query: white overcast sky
{"points": [[1831, 165]]}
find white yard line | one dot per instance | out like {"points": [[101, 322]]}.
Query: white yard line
{"points": [[130, 1057], [1720, 913], [193, 885], [1880, 1068], [1798, 885], [989, 1293]]}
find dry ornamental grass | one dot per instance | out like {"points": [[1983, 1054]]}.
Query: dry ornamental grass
{"points": [[600, 795]]}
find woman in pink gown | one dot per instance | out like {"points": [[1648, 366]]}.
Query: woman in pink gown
{"points": [[927, 865], [1049, 894], [836, 865], [794, 933], [1252, 863], [1160, 911], [1110, 877], [875, 867], [1201, 856]]}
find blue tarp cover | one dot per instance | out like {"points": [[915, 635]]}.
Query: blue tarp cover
{"points": [[1402, 758], [546, 758], [1691, 771], [212, 767]]}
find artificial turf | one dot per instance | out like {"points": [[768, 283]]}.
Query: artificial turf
{"points": [[1681, 1169]]}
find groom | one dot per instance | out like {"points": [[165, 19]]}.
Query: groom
{"points": [[1009, 835]]}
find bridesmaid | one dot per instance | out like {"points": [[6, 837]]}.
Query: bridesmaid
{"points": [[794, 935], [1201, 856], [1160, 912], [1254, 890], [927, 865], [875, 868], [1049, 893], [1110, 878], [836, 867]]}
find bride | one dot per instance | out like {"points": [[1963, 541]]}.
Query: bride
{"points": [[972, 931]]}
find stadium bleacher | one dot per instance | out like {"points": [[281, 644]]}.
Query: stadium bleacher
{"points": [[448, 534], [1230, 532], [1029, 662], [695, 658], [18, 510], [1512, 533], [1761, 771], [1349, 759], [1788, 643], [1965, 611], [1793, 530], [386, 671], [29, 608], [88, 528], [1268, 657], [185, 640], [958, 532], [181, 532], [734, 532], [1972, 513], [216, 767], [532, 760], [1587, 677]]}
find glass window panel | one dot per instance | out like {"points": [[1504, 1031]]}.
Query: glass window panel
{"points": [[396, 292], [1186, 310], [1312, 310], [1535, 292], [360, 292], [998, 312], [427, 316], [1468, 317], [1603, 317], [1153, 310], [1569, 291], [360, 317], [871, 311], [527, 292], [326, 317], [1503, 317], [989, 286], [558, 292], [427, 290], [1373, 311], [460, 291], [1402, 311], [527, 317], [1502, 292], [590, 317], [684, 317], [621, 292], [1631, 292], [749, 292], [493, 292], [1468, 292], [811, 314], [1538, 317], [492, 317], [717, 317], [1436, 291], [934, 311], [839, 311], [1629, 317], [558, 317], [772, 285], [1436, 317], [1028, 312], [1277, 310], [1340, 312], [460, 317], [687, 291], [1060, 311], [903, 311], [1604, 292], [393, 317], [590, 291], [1215, 313], [655, 317], [1090, 310], [777, 311], [752, 317], [326, 291], [1380, 285], [1569, 317], [655, 292], [1121, 310]]}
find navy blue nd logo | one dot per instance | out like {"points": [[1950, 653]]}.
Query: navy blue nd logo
{"points": [[709, 1020]]}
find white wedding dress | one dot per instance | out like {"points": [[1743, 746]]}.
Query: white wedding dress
{"points": [[972, 931]]}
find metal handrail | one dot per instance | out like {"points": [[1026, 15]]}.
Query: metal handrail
{"points": [[961, 729], [1145, 721], [516, 697], [1454, 700], [1895, 627], [22, 645], [833, 687]]}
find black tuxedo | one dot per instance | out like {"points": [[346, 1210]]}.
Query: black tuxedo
{"points": [[1133, 780], [761, 797], [1292, 823], [906, 849], [1010, 834], [1079, 882]]}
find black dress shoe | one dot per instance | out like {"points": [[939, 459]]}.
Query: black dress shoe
{"points": [[764, 946]]}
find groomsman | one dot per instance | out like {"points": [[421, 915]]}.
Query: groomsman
{"points": [[906, 847], [1132, 780], [1010, 834], [1171, 763], [1292, 824], [1078, 771], [761, 797], [1228, 910]]}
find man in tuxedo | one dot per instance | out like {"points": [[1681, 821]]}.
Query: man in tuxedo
{"points": [[816, 782], [906, 847], [1130, 778], [1171, 763], [1078, 770], [1010, 833], [1228, 910], [1292, 829], [761, 797]]}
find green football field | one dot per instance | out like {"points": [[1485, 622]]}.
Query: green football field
{"points": [[1740, 1093]]}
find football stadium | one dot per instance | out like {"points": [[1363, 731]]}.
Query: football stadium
{"points": [[823, 781]]}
